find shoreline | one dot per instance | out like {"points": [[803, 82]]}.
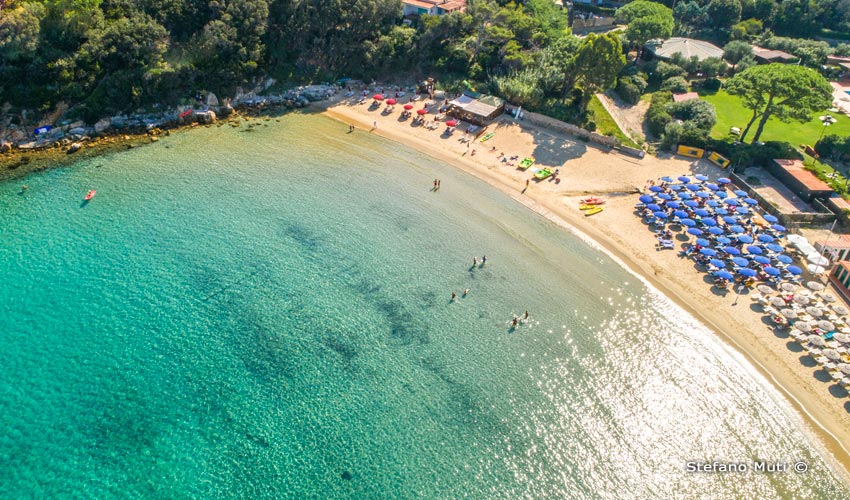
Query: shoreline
{"points": [[821, 413]]}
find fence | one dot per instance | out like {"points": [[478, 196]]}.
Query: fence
{"points": [[792, 221]]}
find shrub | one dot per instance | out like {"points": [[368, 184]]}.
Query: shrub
{"points": [[709, 84], [675, 84], [697, 112], [833, 146], [657, 116], [659, 71], [630, 88]]}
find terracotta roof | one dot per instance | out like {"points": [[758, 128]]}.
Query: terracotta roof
{"points": [[842, 242], [452, 5], [419, 3], [687, 96], [808, 179], [768, 54]]}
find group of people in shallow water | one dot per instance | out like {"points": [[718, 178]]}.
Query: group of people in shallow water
{"points": [[476, 263]]}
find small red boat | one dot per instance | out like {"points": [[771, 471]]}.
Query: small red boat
{"points": [[593, 201], [90, 195]]}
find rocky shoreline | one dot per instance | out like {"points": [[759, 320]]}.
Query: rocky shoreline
{"points": [[64, 142]]}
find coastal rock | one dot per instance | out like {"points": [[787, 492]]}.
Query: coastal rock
{"points": [[77, 131], [5, 147], [75, 147], [205, 117], [225, 111]]}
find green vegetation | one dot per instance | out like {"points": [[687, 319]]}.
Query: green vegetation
{"points": [[732, 113], [605, 124]]}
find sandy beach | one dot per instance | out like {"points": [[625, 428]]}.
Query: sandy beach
{"points": [[588, 170]]}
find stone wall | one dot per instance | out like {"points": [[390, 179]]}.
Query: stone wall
{"points": [[569, 128]]}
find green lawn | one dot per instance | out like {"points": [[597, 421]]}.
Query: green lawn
{"points": [[730, 113], [605, 124]]}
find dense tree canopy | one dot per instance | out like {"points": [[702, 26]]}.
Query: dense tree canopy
{"points": [[646, 20]]}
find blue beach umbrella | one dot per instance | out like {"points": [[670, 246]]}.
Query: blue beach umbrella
{"points": [[675, 187], [673, 204], [739, 192], [713, 203], [773, 247], [751, 201], [755, 249], [683, 179], [735, 228], [723, 240], [691, 203], [681, 214], [694, 231], [688, 222], [660, 215], [703, 242], [784, 258], [724, 180], [745, 238], [721, 194], [701, 212], [691, 187], [708, 251], [654, 207], [656, 189], [740, 261], [742, 210], [703, 194], [732, 201], [715, 231], [717, 263], [667, 178], [794, 270], [732, 251], [685, 196], [778, 227], [746, 271], [766, 238], [645, 198], [665, 196], [772, 271], [713, 187], [761, 259], [709, 222], [701, 177], [730, 220], [770, 218], [721, 211], [726, 275]]}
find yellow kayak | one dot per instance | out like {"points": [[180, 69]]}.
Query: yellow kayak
{"points": [[595, 210]]}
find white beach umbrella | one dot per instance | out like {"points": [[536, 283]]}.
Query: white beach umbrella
{"points": [[789, 287], [816, 269], [814, 285], [801, 299], [817, 259], [777, 302], [840, 310], [842, 337], [817, 340], [814, 311], [803, 326], [829, 298], [765, 289], [826, 325], [831, 354], [845, 368], [789, 313]]}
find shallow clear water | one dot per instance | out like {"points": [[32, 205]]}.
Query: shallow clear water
{"points": [[267, 315]]}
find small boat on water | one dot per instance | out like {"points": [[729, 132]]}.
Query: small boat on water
{"points": [[593, 211], [593, 200], [90, 195]]}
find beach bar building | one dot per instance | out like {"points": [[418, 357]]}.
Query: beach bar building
{"points": [[476, 108], [836, 249], [840, 278], [799, 180], [431, 7]]}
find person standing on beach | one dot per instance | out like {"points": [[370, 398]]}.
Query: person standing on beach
{"points": [[526, 182], [436, 183], [439, 182]]}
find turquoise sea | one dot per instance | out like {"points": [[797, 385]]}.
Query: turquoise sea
{"points": [[266, 315]]}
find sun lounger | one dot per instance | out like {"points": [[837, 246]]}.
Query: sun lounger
{"points": [[666, 243]]}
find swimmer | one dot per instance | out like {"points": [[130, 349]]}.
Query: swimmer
{"points": [[526, 314], [515, 322], [465, 292], [474, 261], [454, 296], [483, 260]]}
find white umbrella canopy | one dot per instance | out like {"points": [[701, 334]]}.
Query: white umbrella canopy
{"points": [[803, 326], [801, 299], [788, 287], [817, 340], [842, 337], [840, 310], [777, 302], [828, 298], [814, 311], [845, 368], [831, 354], [789, 313], [765, 289], [816, 269], [826, 325], [814, 285]]}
